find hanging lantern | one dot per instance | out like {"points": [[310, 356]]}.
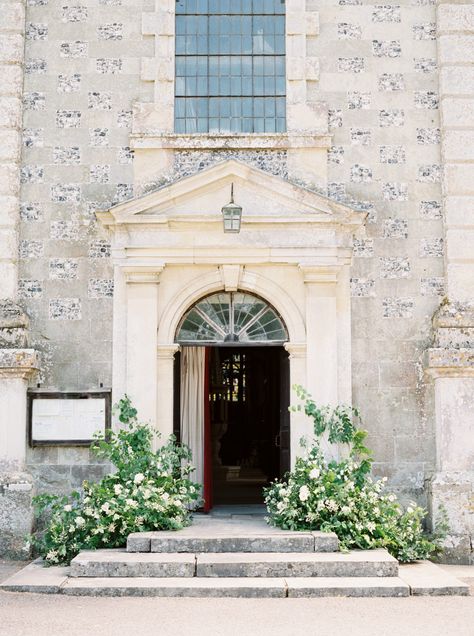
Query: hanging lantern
{"points": [[232, 214]]}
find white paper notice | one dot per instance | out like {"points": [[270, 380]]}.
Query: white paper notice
{"points": [[58, 420]]}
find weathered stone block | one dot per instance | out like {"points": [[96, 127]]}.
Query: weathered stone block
{"points": [[458, 145], [455, 17], [11, 48], [16, 514], [456, 49]]}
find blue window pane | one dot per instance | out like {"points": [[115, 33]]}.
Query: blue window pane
{"points": [[259, 107], [213, 25], [280, 44], [230, 66], [180, 43], [280, 125], [179, 108], [280, 106], [180, 86], [180, 126], [191, 44], [225, 108], [247, 107], [213, 107], [180, 25], [236, 108], [269, 125], [279, 65], [224, 44], [247, 86], [280, 86]]}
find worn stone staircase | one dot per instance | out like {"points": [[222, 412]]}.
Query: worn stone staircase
{"points": [[239, 556], [234, 558]]}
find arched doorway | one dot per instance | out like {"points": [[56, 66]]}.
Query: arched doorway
{"points": [[232, 395]]}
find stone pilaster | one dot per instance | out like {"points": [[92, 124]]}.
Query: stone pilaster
{"points": [[450, 361], [17, 365], [11, 71]]}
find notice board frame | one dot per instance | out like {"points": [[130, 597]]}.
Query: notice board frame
{"points": [[68, 395]]}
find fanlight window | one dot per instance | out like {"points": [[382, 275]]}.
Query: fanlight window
{"points": [[231, 317]]}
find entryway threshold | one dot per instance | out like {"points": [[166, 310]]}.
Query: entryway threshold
{"points": [[243, 511]]}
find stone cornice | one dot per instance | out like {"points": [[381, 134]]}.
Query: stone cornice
{"points": [[143, 274], [272, 141], [295, 349], [167, 351], [18, 363]]}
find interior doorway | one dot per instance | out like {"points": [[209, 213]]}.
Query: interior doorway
{"points": [[247, 402], [245, 433]]}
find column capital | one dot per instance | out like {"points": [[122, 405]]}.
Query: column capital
{"points": [[18, 363], [320, 274], [167, 351], [143, 274], [295, 349]]}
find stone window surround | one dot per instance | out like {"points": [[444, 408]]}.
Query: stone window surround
{"points": [[158, 118]]}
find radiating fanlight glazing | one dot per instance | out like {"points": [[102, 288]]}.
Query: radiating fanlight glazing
{"points": [[231, 317]]}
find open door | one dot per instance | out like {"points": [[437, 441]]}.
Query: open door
{"points": [[207, 486], [284, 435]]}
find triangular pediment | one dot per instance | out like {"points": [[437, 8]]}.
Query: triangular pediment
{"points": [[261, 195]]}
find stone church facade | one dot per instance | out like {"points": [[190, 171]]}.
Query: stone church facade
{"points": [[357, 227]]}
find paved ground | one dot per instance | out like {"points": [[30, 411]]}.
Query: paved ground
{"points": [[43, 615]]}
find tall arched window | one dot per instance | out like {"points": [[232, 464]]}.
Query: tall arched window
{"points": [[230, 66]]}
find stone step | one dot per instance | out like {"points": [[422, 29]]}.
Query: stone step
{"points": [[237, 587], [190, 540], [418, 578], [118, 563], [359, 563]]}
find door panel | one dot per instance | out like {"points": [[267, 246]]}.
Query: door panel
{"points": [[285, 457], [207, 490]]}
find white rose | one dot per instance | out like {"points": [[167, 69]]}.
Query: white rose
{"points": [[117, 489], [314, 473], [105, 507], [165, 496], [304, 493], [80, 521], [139, 477], [68, 508]]}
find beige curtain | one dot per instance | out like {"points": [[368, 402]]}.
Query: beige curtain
{"points": [[192, 406]]}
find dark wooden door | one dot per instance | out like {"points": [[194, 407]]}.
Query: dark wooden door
{"points": [[284, 436]]}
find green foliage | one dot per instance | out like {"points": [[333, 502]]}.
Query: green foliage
{"points": [[341, 496], [150, 490]]}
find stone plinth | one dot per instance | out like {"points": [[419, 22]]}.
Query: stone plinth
{"points": [[451, 365], [16, 486]]}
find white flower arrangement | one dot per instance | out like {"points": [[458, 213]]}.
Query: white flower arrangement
{"points": [[149, 490], [342, 497]]}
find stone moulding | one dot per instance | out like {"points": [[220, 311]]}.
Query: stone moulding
{"points": [[18, 363], [275, 141], [440, 362]]}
